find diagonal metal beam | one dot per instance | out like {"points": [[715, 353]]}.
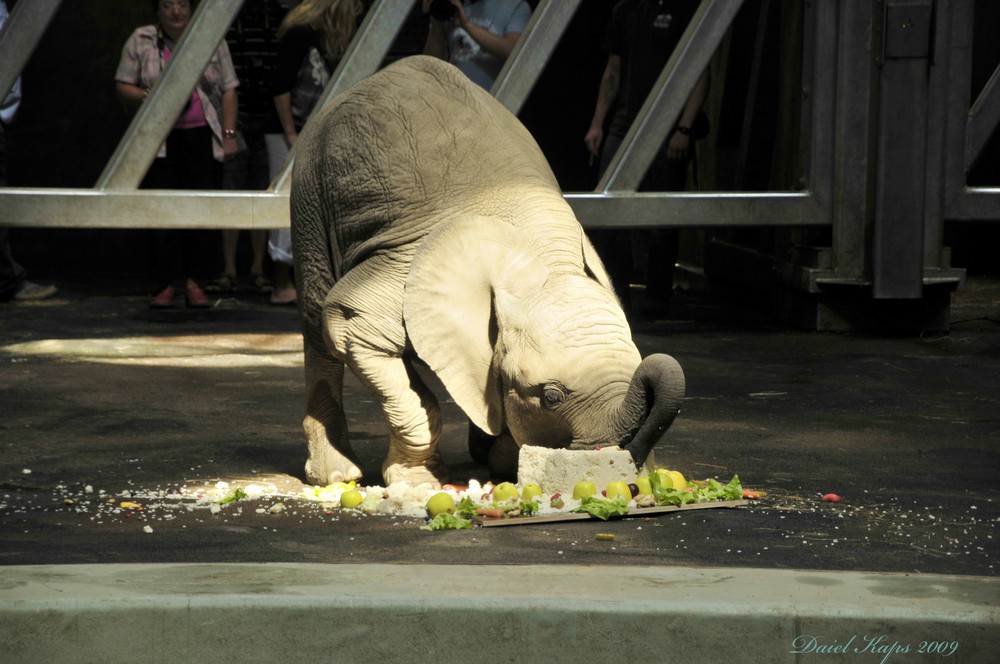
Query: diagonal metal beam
{"points": [[532, 52], [21, 34], [984, 117], [151, 124], [666, 100], [368, 48]]}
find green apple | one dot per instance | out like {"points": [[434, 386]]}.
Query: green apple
{"points": [[645, 488], [351, 499], [618, 489], [671, 479], [531, 491], [503, 492], [583, 490], [440, 502]]}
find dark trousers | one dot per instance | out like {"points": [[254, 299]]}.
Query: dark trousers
{"points": [[12, 275], [619, 249], [189, 164]]}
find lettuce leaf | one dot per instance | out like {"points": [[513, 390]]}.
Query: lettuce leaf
{"points": [[603, 508], [445, 521], [528, 507], [465, 507], [237, 494], [713, 490]]}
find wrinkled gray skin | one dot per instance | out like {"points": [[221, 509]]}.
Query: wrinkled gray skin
{"points": [[427, 225]]}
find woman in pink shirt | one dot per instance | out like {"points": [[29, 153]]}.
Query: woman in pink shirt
{"points": [[202, 138]]}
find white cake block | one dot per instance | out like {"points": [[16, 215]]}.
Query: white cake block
{"points": [[558, 471]]}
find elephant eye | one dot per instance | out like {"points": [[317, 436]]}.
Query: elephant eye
{"points": [[553, 396]]}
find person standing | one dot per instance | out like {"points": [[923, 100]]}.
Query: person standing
{"points": [[641, 36], [311, 40], [202, 138], [477, 36], [253, 46], [14, 284]]}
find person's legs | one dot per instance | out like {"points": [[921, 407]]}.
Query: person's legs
{"points": [[614, 246], [12, 275], [259, 179], [14, 284], [235, 174], [164, 261], [664, 175], [194, 167], [280, 240]]}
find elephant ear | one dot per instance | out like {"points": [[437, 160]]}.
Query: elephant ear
{"points": [[594, 266], [459, 274]]}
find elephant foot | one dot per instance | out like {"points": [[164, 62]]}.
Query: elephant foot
{"points": [[433, 471], [330, 466], [480, 444], [503, 458]]}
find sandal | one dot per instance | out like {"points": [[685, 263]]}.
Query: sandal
{"points": [[260, 284], [226, 282]]}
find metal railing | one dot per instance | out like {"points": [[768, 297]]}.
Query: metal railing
{"points": [[835, 131]]}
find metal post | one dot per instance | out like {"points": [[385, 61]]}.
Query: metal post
{"points": [[898, 232], [21, 34]]}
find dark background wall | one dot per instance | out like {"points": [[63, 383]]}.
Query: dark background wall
{"points": [[70, 121]]}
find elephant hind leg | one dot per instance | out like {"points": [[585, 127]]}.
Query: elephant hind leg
{"points": [[331, 458]]}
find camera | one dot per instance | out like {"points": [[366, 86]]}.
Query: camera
{"points": [[442, 10]]}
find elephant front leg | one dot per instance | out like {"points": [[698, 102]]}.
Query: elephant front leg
{"points": [[413, 416], [331, 458]]}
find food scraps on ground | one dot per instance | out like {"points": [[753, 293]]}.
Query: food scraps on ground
{"points": [[831, 498]]}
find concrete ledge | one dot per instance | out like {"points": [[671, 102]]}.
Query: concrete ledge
{"points": [[314, 614]]}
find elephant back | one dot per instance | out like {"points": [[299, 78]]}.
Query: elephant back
{"points": [[409, 147]]}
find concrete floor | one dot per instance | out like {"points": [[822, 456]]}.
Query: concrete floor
{"points": [[97, 390]]}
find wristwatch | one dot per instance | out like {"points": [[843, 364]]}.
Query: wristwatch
{"points": [[229, 133]]}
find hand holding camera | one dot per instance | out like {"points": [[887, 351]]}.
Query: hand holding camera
{"points": [[442, 10]]}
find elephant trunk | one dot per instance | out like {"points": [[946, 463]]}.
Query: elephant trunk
{"points": [[653, 400]]}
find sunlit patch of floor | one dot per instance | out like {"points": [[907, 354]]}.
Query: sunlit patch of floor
{"points": [[209, 350]]}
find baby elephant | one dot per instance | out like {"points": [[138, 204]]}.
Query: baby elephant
{"points": [[428, 226]]}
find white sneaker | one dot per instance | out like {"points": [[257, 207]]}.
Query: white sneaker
{"points": [[29, 290]]}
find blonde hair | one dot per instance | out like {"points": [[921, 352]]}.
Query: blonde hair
{"points": [[333, 19]]}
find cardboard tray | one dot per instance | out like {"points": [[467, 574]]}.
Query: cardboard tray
{"points": [[582, 516]]}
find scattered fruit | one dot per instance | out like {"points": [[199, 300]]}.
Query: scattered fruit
{"points": [[831, 498], [351, 499], [494, 512], [618, 489], [503, 492], [583, 490], [530, 492], [440, 503]]}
